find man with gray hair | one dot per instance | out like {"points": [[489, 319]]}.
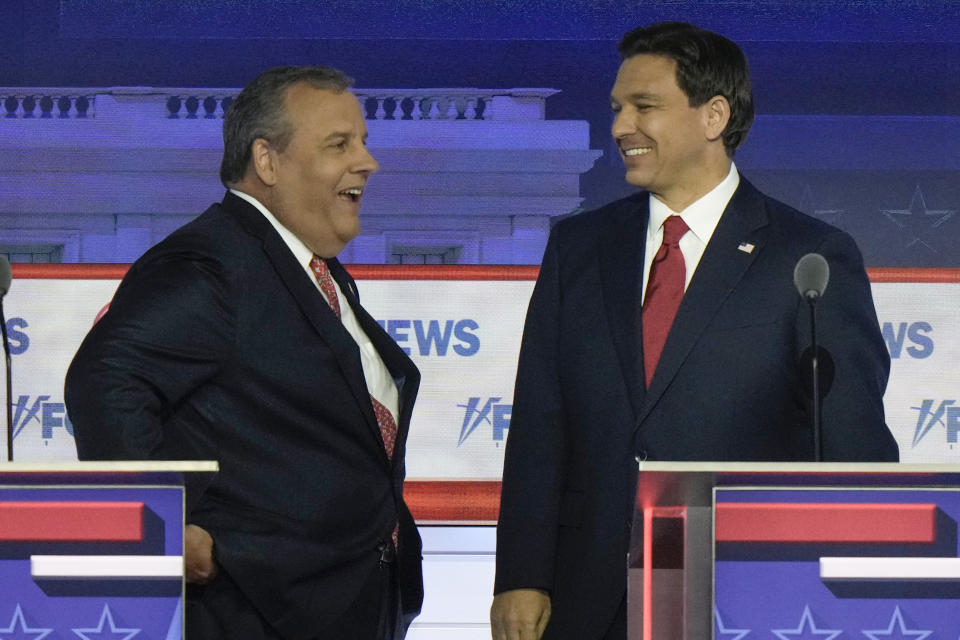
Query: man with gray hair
{"points": [[241, 338]]}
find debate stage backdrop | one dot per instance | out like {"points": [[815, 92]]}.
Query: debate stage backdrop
{"points": [[462, 326], [490, 120]]}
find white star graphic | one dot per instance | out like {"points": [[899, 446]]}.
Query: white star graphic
{"points": [[18, 616], [901, 631], [101, 633], [916, 219], [735, 634], [832, 216], [806, 629]]}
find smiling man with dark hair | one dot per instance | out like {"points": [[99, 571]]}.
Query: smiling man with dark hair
{"points": [[665, 326], [240, 338]]}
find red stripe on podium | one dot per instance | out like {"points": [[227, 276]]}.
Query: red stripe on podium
{"points": [[832, 523], [71, 521]]}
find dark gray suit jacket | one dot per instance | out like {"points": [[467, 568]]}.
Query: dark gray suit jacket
{"points": [[218, 346], [729, 386]]}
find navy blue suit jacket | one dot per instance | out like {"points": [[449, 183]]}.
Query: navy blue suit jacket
{"points": [[729, 386], [218, 346]]}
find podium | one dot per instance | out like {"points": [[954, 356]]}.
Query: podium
{"points": [[794, 550], [94, 549]]}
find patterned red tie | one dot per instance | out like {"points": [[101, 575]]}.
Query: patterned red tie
{"points": [[320, 270], [664, 293], [388, 426]]}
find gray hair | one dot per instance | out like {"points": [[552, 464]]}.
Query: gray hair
{"points": [[259, 112]]}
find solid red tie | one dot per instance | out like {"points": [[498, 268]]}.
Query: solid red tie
{"points": [[388, 426], [664, 293]]}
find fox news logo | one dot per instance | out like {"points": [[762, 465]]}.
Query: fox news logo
{"points": [[40, 412], [491, 412], [908, 339], [945, 414], [434, 337], [19, 340]]}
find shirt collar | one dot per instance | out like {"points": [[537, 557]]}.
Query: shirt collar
{"points": [[301, 252], [703, 215]]}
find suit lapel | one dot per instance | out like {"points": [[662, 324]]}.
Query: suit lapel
{"points": [[401, 367], [621, 269], [720, 269], [311, 303]]}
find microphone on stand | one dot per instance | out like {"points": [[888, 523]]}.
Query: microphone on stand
{"points": [[5, 276], [811, 276]]}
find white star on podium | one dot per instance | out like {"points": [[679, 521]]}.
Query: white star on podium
{"points": [[724, 632], [901, 631], [18, 616], [103, 634], [806, 629]]}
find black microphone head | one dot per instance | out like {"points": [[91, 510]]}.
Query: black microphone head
{"points": [[811, 275], [5, 275]]}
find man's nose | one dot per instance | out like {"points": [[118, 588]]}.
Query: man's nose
{"points": [[622, 125], [366, 163]]}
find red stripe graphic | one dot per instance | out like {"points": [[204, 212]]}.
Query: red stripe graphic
{"points": [[831, 523], [452, 501], [71, 521]]}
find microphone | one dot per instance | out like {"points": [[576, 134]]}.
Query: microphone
{"points": [[810, 277], [5, 276], [826, 370]]}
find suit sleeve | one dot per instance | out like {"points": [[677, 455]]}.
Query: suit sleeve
{"points": [[534, 459], [853, 418], [167, 331]]}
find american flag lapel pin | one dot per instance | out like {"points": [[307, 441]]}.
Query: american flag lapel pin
{"points": [[746, 247]]}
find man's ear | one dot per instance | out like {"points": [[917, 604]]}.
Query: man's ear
{"points": [[264, 160], [716, 114]]}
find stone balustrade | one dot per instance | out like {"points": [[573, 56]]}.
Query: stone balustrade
{"points": [[61, 102], [210, 103], [472, 175], [455, 104]]}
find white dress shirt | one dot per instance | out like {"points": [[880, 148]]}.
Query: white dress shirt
{"points": [[701, 216], [380, 383]]}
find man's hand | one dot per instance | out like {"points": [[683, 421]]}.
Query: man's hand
{"points": [[199, 566], [520, 614]]}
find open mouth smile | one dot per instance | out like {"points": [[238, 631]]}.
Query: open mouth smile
{"points": [[353, 194]]}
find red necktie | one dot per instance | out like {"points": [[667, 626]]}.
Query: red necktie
{"points": [[388, 426], [320, 270], [664, 293]]}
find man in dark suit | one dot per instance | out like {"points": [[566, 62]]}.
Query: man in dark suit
{"points": [[240, 338], [666, 326]]}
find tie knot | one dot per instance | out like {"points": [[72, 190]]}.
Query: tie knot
{"points": [[319, 266], [673, 229], [322, 273]]}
